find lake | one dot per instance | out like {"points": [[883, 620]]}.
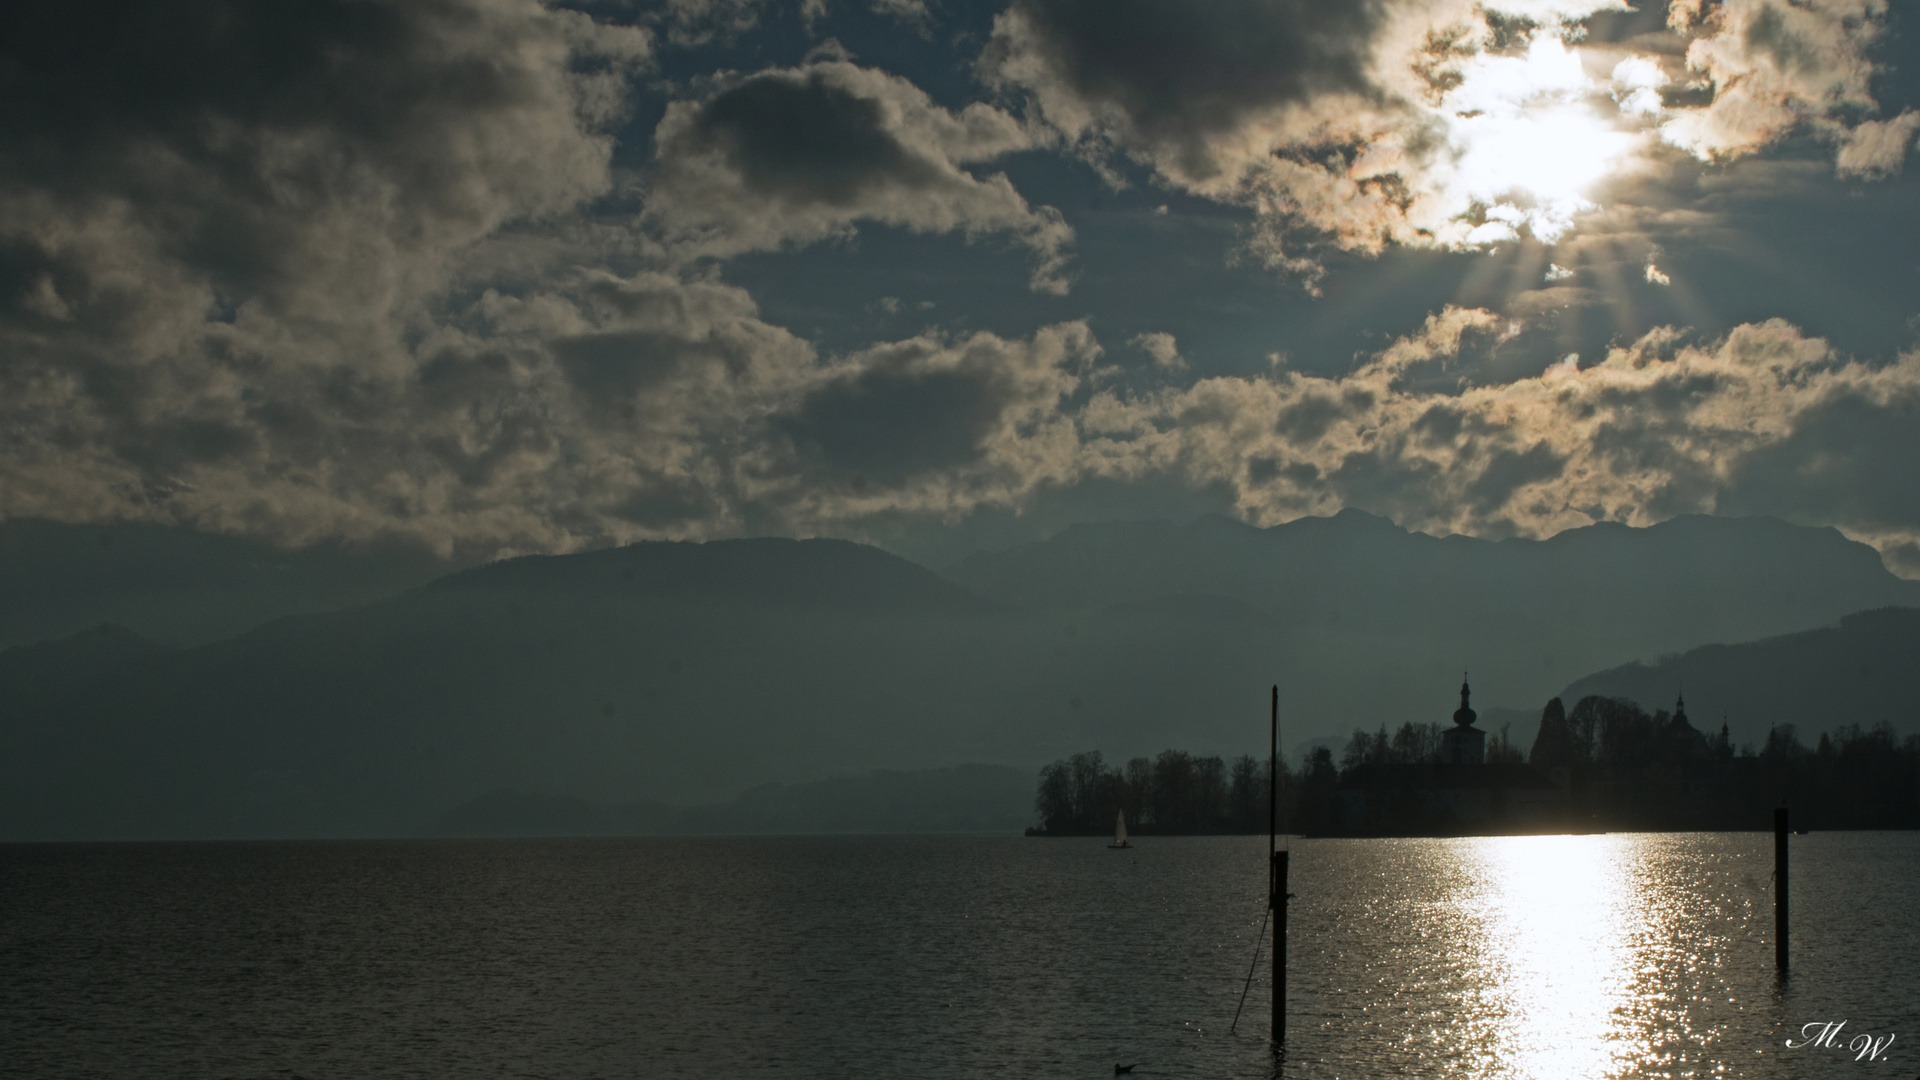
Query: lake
{"points": [[953, 956]]}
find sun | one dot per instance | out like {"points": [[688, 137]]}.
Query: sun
{"points": [[1528, 144]]}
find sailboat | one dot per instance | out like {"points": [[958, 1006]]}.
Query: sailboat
{"points": [[1120, 830]]}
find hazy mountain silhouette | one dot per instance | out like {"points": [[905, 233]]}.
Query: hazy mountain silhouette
{"points": [[964, 798], [683, 674], [1381, 616], [829, 574], [1861, 671], [673, 672], [178, 586], [103, 650]]}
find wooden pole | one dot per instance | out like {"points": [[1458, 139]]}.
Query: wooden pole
{"points": [[1280, 948], [1277, 881], [1273, 793], [1780, 888]]}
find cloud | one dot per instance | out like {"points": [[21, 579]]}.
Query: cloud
{"points": [[692, 23], [536, 422], [352, 270], [315, 163], [230, 235], [1877, 149], [797, 155], [914, 13], [1164, 350], [603, 408], [1763, 421], [1179, 85], [1429, 124], [937, 426], [341, 271], [1770, 66], [1355, 125], [1440, 339]]}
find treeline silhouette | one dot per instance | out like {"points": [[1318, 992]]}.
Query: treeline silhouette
{"points": [[1172, 793], [1626, 769], [1617, 766]]}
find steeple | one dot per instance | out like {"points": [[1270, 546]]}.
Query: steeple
{"points": [[1463, 744], [1680, 710], [1464, 716]]}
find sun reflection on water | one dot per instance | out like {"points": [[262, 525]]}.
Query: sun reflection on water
{"points": [[1559, 915], [1583, 956]]}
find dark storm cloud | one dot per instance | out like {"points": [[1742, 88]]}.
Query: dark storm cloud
{"points": [[1305, 421], [85, 87], [1180, 74], [669, 504], [1508, 471], [886, 425], [936, 416], [225, 130], [808, 140], [798, 155], [611, 368], [227, 232]]}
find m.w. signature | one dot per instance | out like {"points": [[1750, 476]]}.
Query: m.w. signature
{"points": [[1828, 1035]]}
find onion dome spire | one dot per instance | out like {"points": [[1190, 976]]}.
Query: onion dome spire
{"points": [[1464, 715]]}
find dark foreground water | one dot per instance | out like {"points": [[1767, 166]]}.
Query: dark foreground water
{"points": [[1550, 957]]}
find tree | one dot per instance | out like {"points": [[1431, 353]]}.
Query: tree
{"points": [[1552, 747], [1054, 802], [1209, 793], [1359, 750], [1313, 812], [1173, 791], [1088, 772], [1501, 751], [1247, 794], [1137, 788]]}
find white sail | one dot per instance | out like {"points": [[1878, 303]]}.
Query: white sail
{"points": [[1120, 828]]}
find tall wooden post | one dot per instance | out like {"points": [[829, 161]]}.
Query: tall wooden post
{"points": [[1780, 888], [1280, 947], [1277, 881]]}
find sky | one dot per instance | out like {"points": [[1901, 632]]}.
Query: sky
{"points": [[497, 277]]}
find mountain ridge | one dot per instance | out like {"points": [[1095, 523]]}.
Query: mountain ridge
{"points": [[560, 674], [759, 570], [1858, 669], [1527, 616]]}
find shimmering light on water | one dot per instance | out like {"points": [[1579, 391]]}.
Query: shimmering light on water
{"points": [[1557, 915], [1562, 957]]}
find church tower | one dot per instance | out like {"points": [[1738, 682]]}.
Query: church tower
{"points": [[1463, 744]]}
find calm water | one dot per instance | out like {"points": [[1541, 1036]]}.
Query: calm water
{"points": [[1561, 957]]}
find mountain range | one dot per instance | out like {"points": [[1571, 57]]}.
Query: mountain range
{"points": [[180, 586], [1386, 618], [679, 675], [1861, 671]]}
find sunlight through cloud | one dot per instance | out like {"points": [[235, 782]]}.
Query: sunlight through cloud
{"points": [[1530, 144]]}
